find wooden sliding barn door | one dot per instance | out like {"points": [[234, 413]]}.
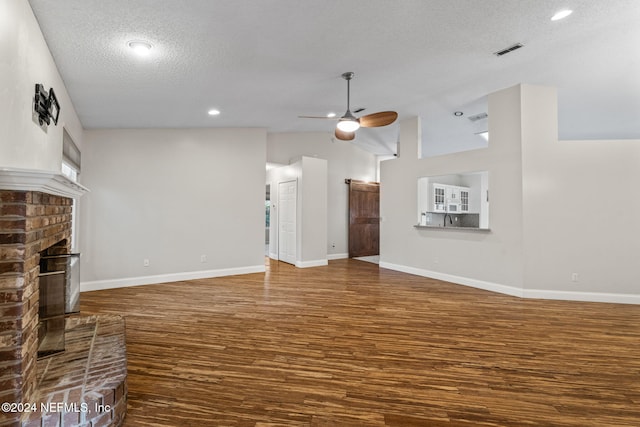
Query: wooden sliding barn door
{"points": [[364, 218]]}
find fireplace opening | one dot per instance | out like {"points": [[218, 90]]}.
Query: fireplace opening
{"points": [[59, 288]]}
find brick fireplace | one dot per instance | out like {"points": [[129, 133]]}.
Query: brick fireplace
{"points": [[85, 383], [30, 222]]}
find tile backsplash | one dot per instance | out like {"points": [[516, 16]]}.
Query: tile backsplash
{"points": [[459, 219]]}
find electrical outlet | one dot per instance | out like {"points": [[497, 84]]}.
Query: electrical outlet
{"points": [[574, 277], [203, 258], [145, 262]]}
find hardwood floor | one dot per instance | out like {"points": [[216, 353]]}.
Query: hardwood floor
{"points": [[354, 345]]}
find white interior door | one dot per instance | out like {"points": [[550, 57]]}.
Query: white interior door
{"points": [[287, 194]]}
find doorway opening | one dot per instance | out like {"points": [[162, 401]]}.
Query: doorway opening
{"points": [[267, 221], [287, 221], [364, 220]]}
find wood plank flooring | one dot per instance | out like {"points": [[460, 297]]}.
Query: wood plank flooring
{"points": [[354, 345]]}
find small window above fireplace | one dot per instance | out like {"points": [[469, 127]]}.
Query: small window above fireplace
{"points": [[71, 157]]}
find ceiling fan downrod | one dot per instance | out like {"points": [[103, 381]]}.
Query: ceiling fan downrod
{"points": [[348, 76], [348, 122]]}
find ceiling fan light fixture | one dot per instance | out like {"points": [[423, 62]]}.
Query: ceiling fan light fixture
{"points": [[348, 124]]}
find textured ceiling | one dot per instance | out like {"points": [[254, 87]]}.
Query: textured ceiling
{"points": [[264, 62]]}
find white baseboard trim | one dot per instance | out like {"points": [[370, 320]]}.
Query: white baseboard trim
{"points": [[582, 296], [98, 285], [273, 255], [337, 256], [467, 281], [313, 263], [517, 292]]}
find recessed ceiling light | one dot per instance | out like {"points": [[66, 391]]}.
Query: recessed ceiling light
{"points": [[561, 14], [214, 112], [142, 48], [331, 115]]}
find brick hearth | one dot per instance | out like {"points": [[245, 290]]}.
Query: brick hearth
{"points": [[87, 384]]}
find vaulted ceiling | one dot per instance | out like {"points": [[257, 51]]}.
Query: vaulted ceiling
{"points": [[263, 63]]}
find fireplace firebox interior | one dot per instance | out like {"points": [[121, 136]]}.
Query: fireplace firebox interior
{"points": [[59, 287]]}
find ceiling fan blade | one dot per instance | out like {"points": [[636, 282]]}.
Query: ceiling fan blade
{"points": [[382, 118], [345, 136], [318, 117]]}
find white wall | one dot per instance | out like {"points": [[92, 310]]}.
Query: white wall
{"points": [[344, 160], [488, 260], [315, 212], [171, 196], [581, 210], [557, 208], [24, 61], [311, 223]]}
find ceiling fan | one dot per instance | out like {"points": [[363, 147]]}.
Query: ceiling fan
{"points": [[348, 123]]}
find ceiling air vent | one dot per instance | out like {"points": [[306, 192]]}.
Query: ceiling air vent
{"points": [[477, 117], [508, 49]]}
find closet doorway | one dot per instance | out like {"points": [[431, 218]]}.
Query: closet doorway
{"points": [[287, 235]]}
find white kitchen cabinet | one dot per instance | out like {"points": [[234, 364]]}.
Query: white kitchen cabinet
{"points": [[448, 198], [464, 200], [453, 194], [438, 198]]}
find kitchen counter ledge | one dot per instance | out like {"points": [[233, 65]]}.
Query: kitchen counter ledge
{"points": [[440, 227]]}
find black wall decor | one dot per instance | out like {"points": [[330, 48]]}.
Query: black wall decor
{"points": [[46, 106]]}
